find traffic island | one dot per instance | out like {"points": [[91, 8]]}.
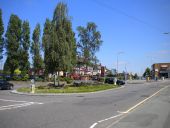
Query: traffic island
{"points": [[67, 89]]}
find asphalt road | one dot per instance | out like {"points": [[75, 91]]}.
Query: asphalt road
{"points": [[94, 110]]}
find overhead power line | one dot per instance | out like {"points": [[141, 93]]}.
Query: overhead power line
{"points": [[102, 4]]}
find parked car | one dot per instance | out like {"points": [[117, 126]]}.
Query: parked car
{"points": [[110, 80], [5, 85], [120, 82]]}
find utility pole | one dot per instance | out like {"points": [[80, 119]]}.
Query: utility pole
{"points": [[118, 62]]}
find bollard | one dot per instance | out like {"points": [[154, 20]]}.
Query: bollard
{"points": [[33, 88], [115, 80], [163, 78]]}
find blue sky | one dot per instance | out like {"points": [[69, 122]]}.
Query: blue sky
{"points": [[134, 27]]}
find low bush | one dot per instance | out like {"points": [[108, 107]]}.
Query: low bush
{"points": [[42, 87], [38, 79], [101, 79], [1, 77], [68, 80], [16, 78], [82, 83], [25, 78]]}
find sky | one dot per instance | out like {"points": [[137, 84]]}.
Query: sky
{"points": [[132, 30]]}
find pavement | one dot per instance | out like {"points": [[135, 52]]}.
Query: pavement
{"points": [[94, 110]]}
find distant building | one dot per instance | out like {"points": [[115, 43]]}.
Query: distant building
{"points": [[160, 70], [83, 70], [39, 72]]}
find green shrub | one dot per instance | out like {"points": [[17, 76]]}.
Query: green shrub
{"points": [[66, 87], [101, 79], [25, 78], [38, 79], [16, 78], [61, 79], [68, 80], [1, 77], [42, 87], [17, 72]]}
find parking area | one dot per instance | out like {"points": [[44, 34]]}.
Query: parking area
{"points": [[7, 104]]}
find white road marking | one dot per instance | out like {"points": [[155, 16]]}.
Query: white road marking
{"points": [[12, 100], [22, 104], [93, 125], [96, 123], [110, 118], [20, 101], [138, 104], [15, 106], [126, 112]]}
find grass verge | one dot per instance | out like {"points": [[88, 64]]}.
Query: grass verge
{"points": [[80, 89]]}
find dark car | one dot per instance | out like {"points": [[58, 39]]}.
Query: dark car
{"points": [[120, 82], [110, 80], [5, 85]]}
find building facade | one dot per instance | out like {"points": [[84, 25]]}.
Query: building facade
{"points": [[160, 70]]}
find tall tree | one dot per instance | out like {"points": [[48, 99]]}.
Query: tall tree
{"points": [[70, 39], [13, 39], [136, 76], [60, 21], [47, 41], [35, 49], [59, 41], [89, 41], [24, 48], [147, 72], [1, 35]]}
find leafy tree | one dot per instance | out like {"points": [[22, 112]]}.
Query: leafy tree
{"points": [[89, 42], [136, 76], [1, 34], [70, 39], [35, 49], [47, 34], [95, 61], [24, 48], [110, 74], [66, 39], [147, 72], [17, 72], [13, 38], [59, 41]]}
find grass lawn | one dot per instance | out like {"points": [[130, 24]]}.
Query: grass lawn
{"points": [[80, 89]]}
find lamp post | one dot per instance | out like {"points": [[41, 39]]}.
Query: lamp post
{"points": [[118, 61]]}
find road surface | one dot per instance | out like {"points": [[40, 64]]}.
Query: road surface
{"points": [[94, 110]]}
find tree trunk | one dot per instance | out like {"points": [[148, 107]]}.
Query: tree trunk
{"points": [[58, 78]]}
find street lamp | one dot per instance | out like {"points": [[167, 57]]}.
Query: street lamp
{"points": [[118, 61]]}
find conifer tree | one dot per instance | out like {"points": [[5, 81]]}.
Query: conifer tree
{"points": [[35, 49], [59, 41], [13, 39], [1, 35], [24, 48]]}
